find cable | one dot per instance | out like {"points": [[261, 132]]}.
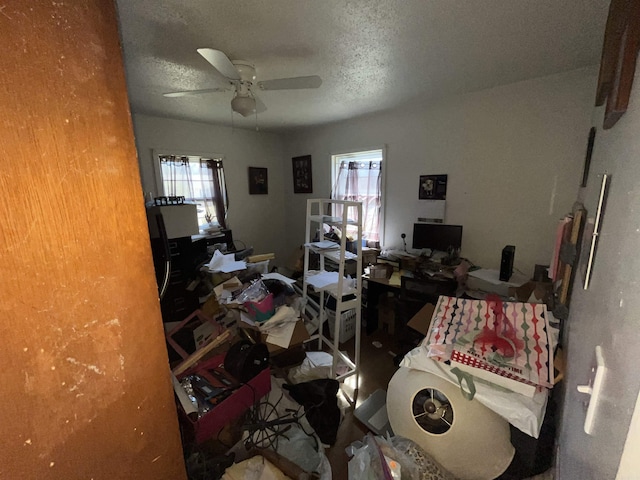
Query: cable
{"points": [[265, 433], [244, 245]]}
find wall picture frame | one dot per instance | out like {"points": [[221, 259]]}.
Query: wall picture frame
{"points": [[302, 175], [432, 187], [258, 181]]}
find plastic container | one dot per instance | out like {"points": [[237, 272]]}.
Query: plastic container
{"points": [[347, 324], [261, 311]]}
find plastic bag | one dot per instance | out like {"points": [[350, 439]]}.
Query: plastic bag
{"points": [[379, 458], [253, 293]]}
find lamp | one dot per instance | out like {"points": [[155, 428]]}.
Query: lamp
{"points": [[463, 436], [244, 105]]}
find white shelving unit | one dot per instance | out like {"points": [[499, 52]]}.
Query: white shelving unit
{"points": [[342, 215]]}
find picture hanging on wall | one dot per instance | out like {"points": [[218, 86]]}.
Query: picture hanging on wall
{"points": [[302, 181], [258, 183], [433, 187]]}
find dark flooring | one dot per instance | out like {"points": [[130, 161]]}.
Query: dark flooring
{"points": [[376, 369]]}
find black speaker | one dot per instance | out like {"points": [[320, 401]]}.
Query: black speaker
{"points": [[245, 360], [506, 264]]}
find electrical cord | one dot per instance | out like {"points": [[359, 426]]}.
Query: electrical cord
{"points": [[244, 245], [265, 433]]}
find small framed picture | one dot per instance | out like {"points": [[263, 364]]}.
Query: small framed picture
{"points": [[433, 187], [302, 180], [258, 181]]}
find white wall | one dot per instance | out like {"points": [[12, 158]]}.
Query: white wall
{"points": [[256, 220], [607, 314], [513, 154]]}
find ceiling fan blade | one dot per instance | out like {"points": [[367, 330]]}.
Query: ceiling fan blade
{"points": [[293, 83], [220, 62], [260, 107], [194, 92]]}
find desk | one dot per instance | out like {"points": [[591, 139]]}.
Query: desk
{"points": [[412, 293], [374, 288]]}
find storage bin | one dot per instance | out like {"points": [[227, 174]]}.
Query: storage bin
{"points": [[347, 324], [242, 399], [261, 311]]}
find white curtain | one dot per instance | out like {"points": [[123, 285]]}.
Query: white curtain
{"points": [[360, 181], [198, 180]]}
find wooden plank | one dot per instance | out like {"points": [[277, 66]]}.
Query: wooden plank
{"points": [[200, 354], [568, 275]]}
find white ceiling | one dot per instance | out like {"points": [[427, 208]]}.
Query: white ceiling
{"points": [[371, 54]]}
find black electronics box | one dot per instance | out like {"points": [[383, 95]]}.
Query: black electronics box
{"points": [[506, 263]]}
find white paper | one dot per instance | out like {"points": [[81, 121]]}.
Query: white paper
{"points": [[281, 336], [335, 255], [225, 263], [493, 276], [283, 314], [323, 279], [323, 245], [278, 276]]}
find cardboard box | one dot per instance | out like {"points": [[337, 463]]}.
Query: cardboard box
{"points": [[286, 466], [299, 336], [192, 333], [381, 270], [179, 220], [532, 292], [420, 321], [369, 256]]}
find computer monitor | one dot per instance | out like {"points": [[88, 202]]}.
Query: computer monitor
{"points": [[436, 236]]}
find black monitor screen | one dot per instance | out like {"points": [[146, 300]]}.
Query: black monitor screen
{"points": [[436, 236]]}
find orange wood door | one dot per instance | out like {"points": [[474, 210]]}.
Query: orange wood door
{"points": [[84, 379]]}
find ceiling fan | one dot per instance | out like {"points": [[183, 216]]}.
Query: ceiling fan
{"points": [[241, 76]]}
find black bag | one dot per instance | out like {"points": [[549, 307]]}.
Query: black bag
{"points": [[320, 402]]}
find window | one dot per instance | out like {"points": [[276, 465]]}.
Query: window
{"points": [[357, 177], [199, 180]]}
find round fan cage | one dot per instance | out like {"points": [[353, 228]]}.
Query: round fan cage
{"points": [[432, 411]]}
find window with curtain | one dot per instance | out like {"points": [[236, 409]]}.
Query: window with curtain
{"points": [[199, 180], [357, 177]]}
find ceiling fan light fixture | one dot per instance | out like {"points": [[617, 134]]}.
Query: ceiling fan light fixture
{"points": [[245, 106]]}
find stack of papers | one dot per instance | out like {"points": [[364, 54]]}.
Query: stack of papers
{"points": [[225, 263], [320, 280], [323, 245], [279, 328], [335, 256], [278, 276]]}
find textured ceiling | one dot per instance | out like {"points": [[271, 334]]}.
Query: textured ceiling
{"points": [[371, 54]]}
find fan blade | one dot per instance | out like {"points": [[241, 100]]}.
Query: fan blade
{"points": [[194, 92], [220, 62], [294, 83], [260, 107]]}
